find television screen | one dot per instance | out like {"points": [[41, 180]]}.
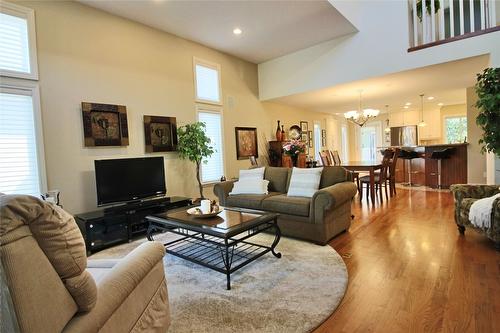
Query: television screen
{"points": [[128, 179]]}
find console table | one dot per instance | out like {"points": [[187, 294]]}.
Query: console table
{"points": [[104, 228]]}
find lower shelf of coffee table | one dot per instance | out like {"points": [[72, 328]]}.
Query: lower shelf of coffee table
{"points": [[210, 251]]}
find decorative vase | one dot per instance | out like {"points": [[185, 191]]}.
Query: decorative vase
{"points": [[278, 133], [282, 132], [295, 159]]}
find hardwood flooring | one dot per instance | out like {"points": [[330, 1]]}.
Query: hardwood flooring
{"points": [[411, 271]]}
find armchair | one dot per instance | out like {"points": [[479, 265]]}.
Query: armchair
{"points": [[51, 287], [465, 196]]}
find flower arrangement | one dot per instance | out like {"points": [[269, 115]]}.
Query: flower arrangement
{"points": [[294, 147]]}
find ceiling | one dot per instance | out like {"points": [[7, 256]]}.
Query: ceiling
{"points": [[445, 82], [270, 28]]}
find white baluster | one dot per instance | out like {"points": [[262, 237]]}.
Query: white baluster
{"points": [[441, 22], [461, 6], [452, 20], [471, 14], [415, 23], [493, 16], [424, 24], [432, 17], [481, 9]]}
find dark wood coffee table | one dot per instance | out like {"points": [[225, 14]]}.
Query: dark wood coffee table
{"points": [[221, 242]]}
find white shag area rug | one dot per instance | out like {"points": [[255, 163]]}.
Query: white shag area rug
{"points": [[295, 293]]}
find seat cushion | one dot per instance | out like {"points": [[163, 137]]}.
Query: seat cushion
{"points": [[278, 179], [366, 179], [287, 205], [250, 201]]}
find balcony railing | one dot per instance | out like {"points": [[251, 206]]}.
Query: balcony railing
{"points": [[438, 21]]}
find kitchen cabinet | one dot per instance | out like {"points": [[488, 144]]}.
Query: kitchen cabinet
{"points": [[433, 128]]}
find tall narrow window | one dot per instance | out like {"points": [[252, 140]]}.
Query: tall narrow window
{"points": [[456, 129], [213, 169], [19, 158], [344, 139], [317, 141], [17, 42], [207, 82]]}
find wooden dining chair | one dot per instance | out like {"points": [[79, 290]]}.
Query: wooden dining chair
{"points": [[380, 179], [325, 159], [337, 161], [336, 157], [392, 172]]}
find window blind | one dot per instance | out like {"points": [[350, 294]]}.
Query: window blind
{"points": [[207, 83], [14, 45], [18, 146], [213, 170]]}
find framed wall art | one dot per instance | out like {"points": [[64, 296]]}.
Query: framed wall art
{"points": [[246, 142], [160, 133], [310, 138], [104, 124], [323, 138], [304, 126]]}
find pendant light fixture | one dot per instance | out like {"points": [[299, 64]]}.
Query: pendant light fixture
{"points": [[361, 116], [387, 128], [422, 122]]}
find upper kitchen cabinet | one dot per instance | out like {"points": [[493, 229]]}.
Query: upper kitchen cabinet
{"points": [[432, 130]]}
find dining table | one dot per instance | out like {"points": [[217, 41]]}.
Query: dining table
{"points": [[365, 166]]}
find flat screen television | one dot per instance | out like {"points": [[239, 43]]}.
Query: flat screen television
{"points": [[129, 179]]}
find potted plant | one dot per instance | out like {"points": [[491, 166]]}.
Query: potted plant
{"points": [[194, 145], [293, 148], [428, 6], [488, 103]]}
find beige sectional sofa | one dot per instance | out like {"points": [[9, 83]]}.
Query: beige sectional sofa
{"points": [[47, 285], [317, 219]]}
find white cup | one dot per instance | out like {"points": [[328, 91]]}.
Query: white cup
{"points": [[205, 206]]}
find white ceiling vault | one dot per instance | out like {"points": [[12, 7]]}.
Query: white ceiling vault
{"points": [[270, 29], [445, 82]]}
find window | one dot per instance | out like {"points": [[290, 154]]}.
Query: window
{"points": [[213, 170], [21, 149], [207, 82], [17, 42], [455, 129], [345, 150], [317, 140]]}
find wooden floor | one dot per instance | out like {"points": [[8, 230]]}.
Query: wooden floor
{"points": [[410, 271]]}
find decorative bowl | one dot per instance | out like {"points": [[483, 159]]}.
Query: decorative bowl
{"points": [[196, 212]]}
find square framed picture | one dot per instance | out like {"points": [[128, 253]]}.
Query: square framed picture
{"points": [[104, 124], [304, 126], [304, 137], [160, 133], [246, 142]]}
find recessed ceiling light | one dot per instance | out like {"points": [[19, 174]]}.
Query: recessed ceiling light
{"points": [[430, 98], [408, 103], [237, 31], [406, 106], [440, 104]]}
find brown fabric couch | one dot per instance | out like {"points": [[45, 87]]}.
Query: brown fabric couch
{"points": [[317, 219], [51, 287]]}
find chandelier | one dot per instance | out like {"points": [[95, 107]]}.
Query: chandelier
{"points": [[361, 116]]}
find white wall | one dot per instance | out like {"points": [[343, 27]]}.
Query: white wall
{"points": [[379, 48]]}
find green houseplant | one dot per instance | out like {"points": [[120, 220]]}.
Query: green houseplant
{"points": [[428, 6], [194, 145], [488, 103]]}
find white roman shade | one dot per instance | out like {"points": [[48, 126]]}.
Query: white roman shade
{"points": [[14, 46], [213, 170], [19, 169]]}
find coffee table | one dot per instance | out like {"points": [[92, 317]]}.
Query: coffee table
{"points": [[221, 242]]}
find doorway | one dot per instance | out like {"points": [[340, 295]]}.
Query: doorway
{"points": [[371, 138]]}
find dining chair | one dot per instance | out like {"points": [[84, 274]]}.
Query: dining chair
{"points": [[380, 179], [337, 161], [325, 159], [336, 158], [392, 172]]}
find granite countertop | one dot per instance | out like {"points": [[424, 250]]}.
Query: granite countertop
{"points": [[433, 145]]}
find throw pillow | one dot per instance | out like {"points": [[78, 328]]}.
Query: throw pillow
{"points": [[250, 187], [252, 174], [304, 182]]}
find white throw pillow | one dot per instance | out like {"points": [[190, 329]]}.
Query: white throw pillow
{"points": [[250, 187], [252, 174], [304, 182]]}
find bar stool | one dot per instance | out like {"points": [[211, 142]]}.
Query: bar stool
{"points": [[440, 155], [408, 155]]}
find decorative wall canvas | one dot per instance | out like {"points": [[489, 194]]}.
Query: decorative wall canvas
{"points": [[160, 133], [246, 142], [304, 126], [104, 124]]}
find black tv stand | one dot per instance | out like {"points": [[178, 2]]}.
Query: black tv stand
{"points": [[105, 228]]}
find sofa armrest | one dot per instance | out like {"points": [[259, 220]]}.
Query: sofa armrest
{"points": [[222, 189], [331, 197], [116, 286], [461, 191]]}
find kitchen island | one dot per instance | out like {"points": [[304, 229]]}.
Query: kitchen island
{"points": [[424, 168]]}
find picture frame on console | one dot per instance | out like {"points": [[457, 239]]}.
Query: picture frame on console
{"points": [[104, 125], [160, 134], [246, 142]]}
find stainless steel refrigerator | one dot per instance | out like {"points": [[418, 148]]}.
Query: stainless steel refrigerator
{"points": [[404, 136]]}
